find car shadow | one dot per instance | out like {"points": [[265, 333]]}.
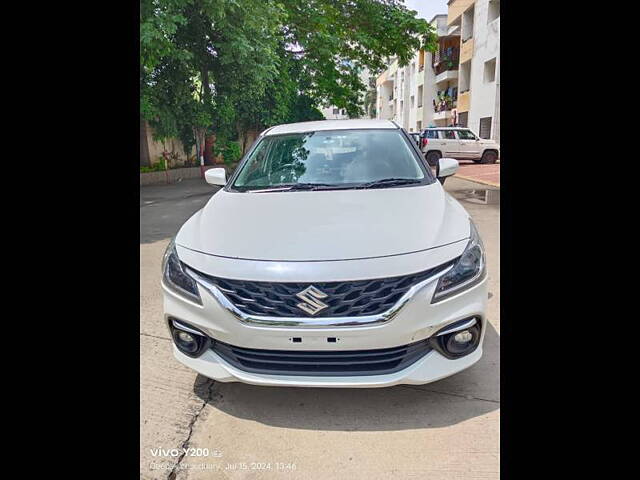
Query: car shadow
{"points": [[468, 394]]}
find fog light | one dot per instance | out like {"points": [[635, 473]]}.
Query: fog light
{"points": [[458, 339], [186, 341], [189, 340], [463, 337]]}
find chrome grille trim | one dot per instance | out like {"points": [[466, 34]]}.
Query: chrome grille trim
{"points": [[322, 322]]}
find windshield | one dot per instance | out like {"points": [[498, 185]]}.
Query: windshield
{"points": [[340, 158]]}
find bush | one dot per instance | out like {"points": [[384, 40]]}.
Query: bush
{"points": [[231, 153], [156, 167], [229, 150]]}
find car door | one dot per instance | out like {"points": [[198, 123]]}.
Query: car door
{"points": [[468, 144], [451, 145]]}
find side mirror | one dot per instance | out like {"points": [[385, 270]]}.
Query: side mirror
{"points": [[445, 168], [216, 176]]}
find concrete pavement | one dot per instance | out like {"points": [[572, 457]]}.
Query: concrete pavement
{"points": [[488, 174], [444, 430]]}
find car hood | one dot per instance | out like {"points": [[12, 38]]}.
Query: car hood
{"points": [[325, 225]]}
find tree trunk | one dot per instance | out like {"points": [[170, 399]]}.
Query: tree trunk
{"points": [[145, 159], [209, 141]]}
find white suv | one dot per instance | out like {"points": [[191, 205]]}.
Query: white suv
{"points": [[332, 257], [457, 142]]}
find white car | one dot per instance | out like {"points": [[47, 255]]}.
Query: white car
{"points": [[332, 257], [457, 142]]}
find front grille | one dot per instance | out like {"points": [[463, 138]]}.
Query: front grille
{"points": [[322, 363], [344, 299]]}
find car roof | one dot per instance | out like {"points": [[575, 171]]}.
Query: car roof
{"points": [[351, 124], [447, 128]]}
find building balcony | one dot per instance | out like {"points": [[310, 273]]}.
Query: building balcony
{"points": [[447, 76], [456, 8], [464, 100], [448, 55], [442, 115], [466, 51]]}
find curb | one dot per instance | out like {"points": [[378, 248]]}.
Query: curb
{"points": [[474, 179]]}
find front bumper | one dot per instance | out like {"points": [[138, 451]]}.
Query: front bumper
{"points": [[418, 319], [430, 368]]}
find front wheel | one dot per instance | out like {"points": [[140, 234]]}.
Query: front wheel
{"points": [[489, 157], [432, 158]]}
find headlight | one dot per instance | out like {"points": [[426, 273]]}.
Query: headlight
{"points": [[176, 278], [468, 271]]}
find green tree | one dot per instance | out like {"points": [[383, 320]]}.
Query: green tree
{"points": [[336, 40], [227, 66]]}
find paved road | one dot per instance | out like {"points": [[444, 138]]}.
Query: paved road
{"points": [[447, 430], [488, 174]]}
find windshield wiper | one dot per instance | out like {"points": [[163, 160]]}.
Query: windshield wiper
{"points": [[288, 187], [389, 182]]}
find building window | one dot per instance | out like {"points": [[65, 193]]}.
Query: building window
{"points": [[413, 101], [490, 71], [420, 90], [467, 24], [336, 111], [463, 119], [421, 60], [465, 76], [494, 10], [419, 125], [485, 127]]}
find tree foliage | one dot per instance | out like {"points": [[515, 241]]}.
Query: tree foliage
{"points": [[228, 66]]}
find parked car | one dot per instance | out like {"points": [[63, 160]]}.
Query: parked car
{"points": [[332, 257], [457, 142]]}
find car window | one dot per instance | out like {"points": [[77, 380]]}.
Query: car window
{"points": [[466, 135], [449, 134], [431, 134], [339, 157]]}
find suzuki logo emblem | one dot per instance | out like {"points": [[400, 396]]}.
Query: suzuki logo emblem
{"points": [[311, 297]]}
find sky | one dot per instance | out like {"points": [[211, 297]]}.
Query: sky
{"points": [[427, 8]]}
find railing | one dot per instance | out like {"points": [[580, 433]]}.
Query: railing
{"points": [[444, 60], [444, 105]]}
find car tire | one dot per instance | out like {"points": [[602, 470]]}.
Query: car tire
{"points": [[433, 157], [489, 157]]}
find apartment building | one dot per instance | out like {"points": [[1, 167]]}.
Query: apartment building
{"points": [[334, 113], [423, 93], [478, 24]]}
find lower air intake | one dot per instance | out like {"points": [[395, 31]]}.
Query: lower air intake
{"points": [[322, 363]]}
